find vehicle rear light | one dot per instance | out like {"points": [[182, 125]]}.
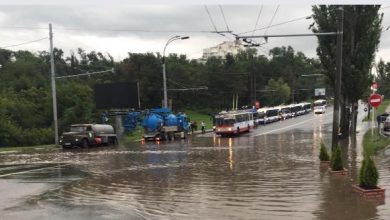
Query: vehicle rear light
{"points": [[157, 139]]}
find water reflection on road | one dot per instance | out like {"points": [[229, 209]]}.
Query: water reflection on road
{"points": [[271, 176]]}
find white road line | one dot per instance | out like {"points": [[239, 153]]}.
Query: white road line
{"points": [[31, 170], [290, 126]]}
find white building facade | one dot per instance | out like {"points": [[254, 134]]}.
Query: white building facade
{"points": [[221, 50]]}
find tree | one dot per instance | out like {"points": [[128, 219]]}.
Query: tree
{"points": [[383, 77], [324, 156], [361, 34], [280, 91], [368, 176], [336, 162]]}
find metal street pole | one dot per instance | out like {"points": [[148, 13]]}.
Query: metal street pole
{"points": [[163, 68], [53, 87], [165, 84], [339, 58]]}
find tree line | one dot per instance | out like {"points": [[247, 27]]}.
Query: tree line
{"points": [[25, 92]]}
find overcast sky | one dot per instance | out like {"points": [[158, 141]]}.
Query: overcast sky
{"points": [[122, 28]]}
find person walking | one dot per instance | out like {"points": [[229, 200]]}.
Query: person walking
{"points": [[203, 127], [192, 127]]}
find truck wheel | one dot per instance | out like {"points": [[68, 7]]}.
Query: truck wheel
{"points": [[84, 143], [165, 136]]}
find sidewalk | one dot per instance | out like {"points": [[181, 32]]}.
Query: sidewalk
{"points": [[200, 132]]}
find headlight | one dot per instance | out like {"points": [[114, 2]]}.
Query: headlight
{"points": [[230, 129], [76, 139]]}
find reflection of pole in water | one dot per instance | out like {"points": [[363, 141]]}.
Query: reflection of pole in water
{"points": [[231, 153]]}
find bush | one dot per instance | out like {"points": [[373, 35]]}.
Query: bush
{"points": [[336, 162], [324, 156], [368, 177]]}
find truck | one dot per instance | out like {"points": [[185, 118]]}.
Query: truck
{"points": [[86, 135], [162, 124]]}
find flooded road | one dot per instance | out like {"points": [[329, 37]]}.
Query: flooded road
{"points": [[272, 172]]}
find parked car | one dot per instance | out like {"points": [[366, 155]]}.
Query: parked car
{"points": [[386, 124], [85, 135], [382, 118]]}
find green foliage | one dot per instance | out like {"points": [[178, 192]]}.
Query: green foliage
{"points": [[336, 162], [383, 78], [25, 90], [280, 90], [361, 37], [324, 156], [368, 177]]}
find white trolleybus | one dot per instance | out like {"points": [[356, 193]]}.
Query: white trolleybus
{"points": [[233, 122]]}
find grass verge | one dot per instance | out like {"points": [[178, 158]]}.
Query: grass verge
{"points": [[199, 117], [372, 143], [381, 109]]}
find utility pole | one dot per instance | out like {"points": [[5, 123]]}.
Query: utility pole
{"points": [[53, 87], [339, 58]]}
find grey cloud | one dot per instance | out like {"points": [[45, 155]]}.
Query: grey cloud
{"points": [[240, 18]]}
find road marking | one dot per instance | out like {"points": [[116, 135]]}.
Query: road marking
{"points": [[31, 170], [290, 126]]}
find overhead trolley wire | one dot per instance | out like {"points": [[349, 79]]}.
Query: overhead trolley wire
{"points": [[278, 24], [257, 20], [211, 19], [272, 19], [212, 22], [224, 18]]}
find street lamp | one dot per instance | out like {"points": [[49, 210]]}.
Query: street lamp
{"points": [[163, 66]]}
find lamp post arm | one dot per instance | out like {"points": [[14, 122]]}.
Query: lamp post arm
{"points": [[168, 42]]}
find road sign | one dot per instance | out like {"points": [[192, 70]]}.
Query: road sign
{"points": [[375, 100], [319, 92], [257, 104]]}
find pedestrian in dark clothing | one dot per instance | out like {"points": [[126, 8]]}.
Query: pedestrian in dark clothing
{"points": [[192, 127]]}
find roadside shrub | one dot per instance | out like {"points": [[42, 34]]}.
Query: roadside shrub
{"points": [[368, 177], [324, 156], [336, 163]]}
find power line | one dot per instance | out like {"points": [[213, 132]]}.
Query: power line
{"points": [[272, 19], [257, 20], [278, 24], [211, 19], [23, 27], [27, 42], [215, 27], [136, 30], [110, 30], [223, 15]]}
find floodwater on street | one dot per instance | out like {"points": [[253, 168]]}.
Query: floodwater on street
{"points": [[273, 172]]}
